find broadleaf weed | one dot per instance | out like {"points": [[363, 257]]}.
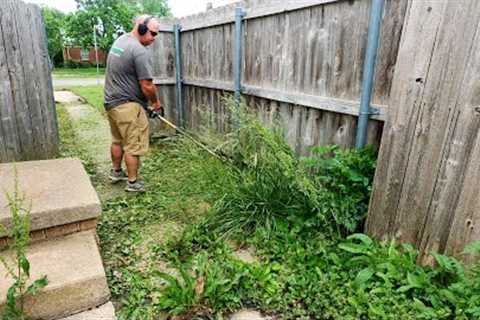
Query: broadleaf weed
{"points": [[19, 268]]}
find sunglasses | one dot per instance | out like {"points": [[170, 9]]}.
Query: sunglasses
{"points": [[153, 33]]}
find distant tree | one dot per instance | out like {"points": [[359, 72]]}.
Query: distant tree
{"points": [[157, 8], [111, 18], [54, 22]]}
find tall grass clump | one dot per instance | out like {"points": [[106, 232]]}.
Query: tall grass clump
{"points": [[270, 183], [329, 190]]}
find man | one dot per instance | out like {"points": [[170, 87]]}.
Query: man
{"points": [[128, 90]]}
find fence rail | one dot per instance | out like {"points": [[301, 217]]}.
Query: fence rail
{"points": [[313, 101], [28, 125]]}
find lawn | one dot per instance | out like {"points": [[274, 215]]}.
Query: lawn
{"points": [[92, 94], [178, 250], [70, 73]]}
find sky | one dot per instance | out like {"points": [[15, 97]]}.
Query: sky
{"points": [[180, 8]]}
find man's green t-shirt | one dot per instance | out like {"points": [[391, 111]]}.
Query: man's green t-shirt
{"points": [[128, 62]]}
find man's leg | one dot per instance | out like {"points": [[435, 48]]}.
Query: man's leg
{"points": [[136, 145], [132, 163], [117, 155], [117, 174]]}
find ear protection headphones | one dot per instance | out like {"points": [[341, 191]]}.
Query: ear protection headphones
{"points": [[142, 27]]}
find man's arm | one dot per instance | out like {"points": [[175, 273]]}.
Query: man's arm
{"points": [[150, 92]]}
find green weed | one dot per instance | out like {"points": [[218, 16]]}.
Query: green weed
{"points": [[296, 213], [19, 268], [329, 190], [343, 180], [208, 285]]}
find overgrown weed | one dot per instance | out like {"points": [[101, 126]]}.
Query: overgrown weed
{"points": [[328, 190], [17, 265], [296, 213]]}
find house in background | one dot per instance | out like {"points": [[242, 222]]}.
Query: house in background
{"points": [[83, 56]]}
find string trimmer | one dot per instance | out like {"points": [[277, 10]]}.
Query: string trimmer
{"points": [[156, 115]]}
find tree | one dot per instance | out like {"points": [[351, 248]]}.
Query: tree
{"points": [[54, 20], [157, 8], [112, 18]]}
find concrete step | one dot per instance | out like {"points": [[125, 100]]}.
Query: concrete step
{"points": [[105, 312], [59, 192], [75, 273]]}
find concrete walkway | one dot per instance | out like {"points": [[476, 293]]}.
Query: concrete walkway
{"points": [[90, 125], [93, 132]]}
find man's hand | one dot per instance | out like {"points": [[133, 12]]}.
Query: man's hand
{"points": [[150, 91], [157, 105], [158, 108]]}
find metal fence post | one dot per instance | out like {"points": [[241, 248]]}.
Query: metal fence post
{"points": [[237, 64], [178, 76], [369, 72]]}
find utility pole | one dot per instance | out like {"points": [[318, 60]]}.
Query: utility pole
{"points": [[96, 53]]}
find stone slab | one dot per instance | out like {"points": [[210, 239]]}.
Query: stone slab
{"points": [[58, 191], [66, 97], [248, 315], [75, 273], [105, 312]]}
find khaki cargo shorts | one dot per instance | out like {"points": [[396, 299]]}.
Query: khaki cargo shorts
{"points": [[129, 127]]}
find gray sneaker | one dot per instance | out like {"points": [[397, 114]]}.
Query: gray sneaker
{"points": [[117, 176], [137, 186]]}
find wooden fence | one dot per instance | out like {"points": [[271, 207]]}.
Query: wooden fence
{"points": [[427, 189], [302, 66], [28, 127]]}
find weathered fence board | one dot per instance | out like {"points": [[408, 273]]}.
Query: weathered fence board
{"points": [[46, 86], [261, 8], [13, 47], [10, 143], [423, 193], [303, 127], [164, 68], [297, 54], [27, 108]]}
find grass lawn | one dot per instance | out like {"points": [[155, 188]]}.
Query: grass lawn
{"points": [[174, 252], [68, 73], [93, 94]]}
